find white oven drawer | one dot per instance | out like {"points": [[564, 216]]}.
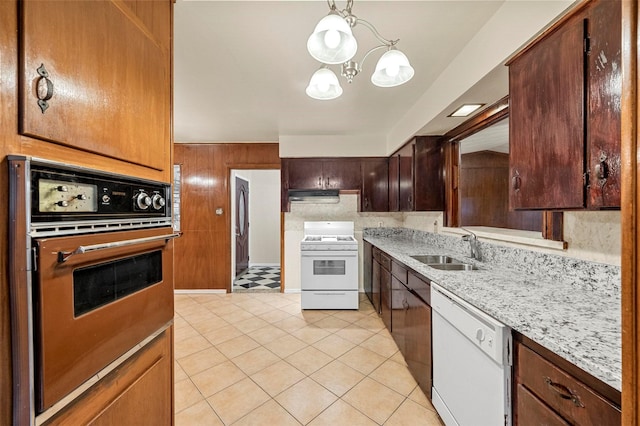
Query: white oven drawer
{"points": [[329, 271], [329, 299]]}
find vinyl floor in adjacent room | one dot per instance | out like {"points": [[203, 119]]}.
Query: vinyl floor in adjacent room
{"points": [[257, 359]]}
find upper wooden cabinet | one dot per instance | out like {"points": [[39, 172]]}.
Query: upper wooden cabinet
{"points": [[565, 91], [321, 173], [416, 176], [374, 193], [109, 90]]}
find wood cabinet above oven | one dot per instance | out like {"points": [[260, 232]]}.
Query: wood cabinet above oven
{"points": [[96, 76]]}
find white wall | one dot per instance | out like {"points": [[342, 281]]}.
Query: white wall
{"points": [[264, 216]]}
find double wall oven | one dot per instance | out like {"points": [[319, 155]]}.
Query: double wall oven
{"points": [[91, 277]]}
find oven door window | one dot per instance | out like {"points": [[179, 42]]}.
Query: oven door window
{"points": [[329, 267], [101, 284]]}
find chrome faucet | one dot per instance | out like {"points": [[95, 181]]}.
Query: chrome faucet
{"points": [[473, 243]]}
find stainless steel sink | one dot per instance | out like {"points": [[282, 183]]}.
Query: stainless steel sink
{"points": [[453, 266], [435, 258]]}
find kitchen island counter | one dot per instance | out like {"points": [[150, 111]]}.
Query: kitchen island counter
{"points": [[569, 306]]}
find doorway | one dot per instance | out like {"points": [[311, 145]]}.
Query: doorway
{"points": [[255, 230]]}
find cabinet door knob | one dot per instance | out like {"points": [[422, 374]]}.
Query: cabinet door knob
{"points": [[320, 181], [328, 183], [516, 181], [44, 88]]}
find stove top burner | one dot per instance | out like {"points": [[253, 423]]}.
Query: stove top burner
{"points": [[329, 238]]}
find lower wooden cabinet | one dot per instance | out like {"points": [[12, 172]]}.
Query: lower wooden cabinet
{"points": [[547, 394], [385, 296], [140, 391]]}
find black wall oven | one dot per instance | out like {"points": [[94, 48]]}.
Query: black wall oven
{"points": [[91, 277]]}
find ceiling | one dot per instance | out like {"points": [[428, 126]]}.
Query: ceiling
{"points": [[241, 68]]}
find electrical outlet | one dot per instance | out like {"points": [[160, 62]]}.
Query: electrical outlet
{"points": [[379, 224]]}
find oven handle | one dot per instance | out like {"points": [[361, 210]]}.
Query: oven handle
{"points": [[63, 256]]}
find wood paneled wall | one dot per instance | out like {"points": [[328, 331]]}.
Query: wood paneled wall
{"points": [[484, 189], [203, 253]]}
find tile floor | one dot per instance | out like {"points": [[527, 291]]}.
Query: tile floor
{"points": [[258, 279], [257, 359]]}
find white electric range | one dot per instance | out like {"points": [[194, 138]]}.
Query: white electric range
{"points": [[329, 266]]}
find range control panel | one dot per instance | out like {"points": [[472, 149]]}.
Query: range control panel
{"points": [[60, 195]]}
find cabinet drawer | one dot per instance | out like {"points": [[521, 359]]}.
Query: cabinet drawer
{"points": [[568, 396], [530, 411], [399, 271], [376, 253], [420, 286], [385, 261]]}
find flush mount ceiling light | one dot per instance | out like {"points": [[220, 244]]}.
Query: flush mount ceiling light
{"points": [[465, 110], [332, 42]]}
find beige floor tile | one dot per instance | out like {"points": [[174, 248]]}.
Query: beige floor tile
{"points": [[267, 334], [236, 316], [225, 309], [341, 413], [200, 414], [309, 360], [209, 325], [305, 400], [184, 333], [349, 316], [412, 414], [285, 345], [268, 414], [355, 334], [396, 376], [418, 396], [362, 359], [216, 378], [190, 346], [178, 373], [256, 307], [380, 344], [251, 324], [186, 395], [334, 345], [255, 360], [310, 334], [274, 315], [237, 346], [291, 324], [237, 400], [222, 334], [277, 377], [279, 302], [293, 308], [202, 360], [375, 399], [337, 377], [371, 323], [311, 316], [331, 324], [198, 316], [399, 358]]}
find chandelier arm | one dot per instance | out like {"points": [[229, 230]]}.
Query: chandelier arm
{"points": [[373, 49], [375, 32], [331, 4]]}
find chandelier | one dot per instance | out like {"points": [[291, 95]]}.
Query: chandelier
{"points": [[333, 43]]}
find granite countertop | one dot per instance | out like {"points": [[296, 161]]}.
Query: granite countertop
{"points": [[578, 321]]}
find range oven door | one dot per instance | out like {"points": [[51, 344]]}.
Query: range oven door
{"points": [[329, 270], [95, 297]]}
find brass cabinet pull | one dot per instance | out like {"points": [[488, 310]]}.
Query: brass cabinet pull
{"points": [[564, 392], [516, 182], [44, 88]]}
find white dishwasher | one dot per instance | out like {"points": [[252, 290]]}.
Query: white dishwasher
{"points": [[471, 363]]}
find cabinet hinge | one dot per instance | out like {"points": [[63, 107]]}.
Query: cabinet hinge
{"points": [[587, 45], [585, 179]]}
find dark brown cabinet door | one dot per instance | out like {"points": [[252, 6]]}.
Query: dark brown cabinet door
{"points": [[406, 187], [546, 128], [429, 174], [367, 268], [385, 297], [376, 276], [106, 92], [399, 310], [394, 183], [417, 340], [374, 194], [304, 173], [604, 83], [531, 411], [342, 173]]}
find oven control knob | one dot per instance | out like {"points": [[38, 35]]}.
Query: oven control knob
{"points": [[63, 203], [81, 197], [63, 188], [158, 202], [143, 201], [106, 198]]}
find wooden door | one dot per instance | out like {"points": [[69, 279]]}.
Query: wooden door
{"points": [[546, 127], [242, 225], [604, 83], [108, 77], [304, 173], [374, 194], [342, 173], [429, 174]]}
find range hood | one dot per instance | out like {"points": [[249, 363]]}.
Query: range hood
{"points": [[314, 196]]}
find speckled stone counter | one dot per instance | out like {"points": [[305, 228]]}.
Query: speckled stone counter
{"points": [[569, 306]]}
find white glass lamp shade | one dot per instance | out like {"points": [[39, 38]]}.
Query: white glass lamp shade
{"points": [[324, 85], [393, 69], [332, 42]]}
